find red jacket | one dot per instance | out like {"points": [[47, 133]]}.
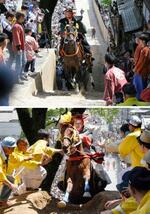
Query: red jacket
{"points": [[114, 81], [18, 36], [137, 54], [142, 66]]}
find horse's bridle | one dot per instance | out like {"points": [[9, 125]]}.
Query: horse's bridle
{"points": [[71, 141]]}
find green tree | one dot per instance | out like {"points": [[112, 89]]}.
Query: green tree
{"points": [[107, 113], [106, 3]]}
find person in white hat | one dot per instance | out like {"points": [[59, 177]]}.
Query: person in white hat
{"points": [[129, 145], [7, 147], [144, 140]]}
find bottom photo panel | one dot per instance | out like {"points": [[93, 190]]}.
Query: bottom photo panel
{"points": [[75, 160]]}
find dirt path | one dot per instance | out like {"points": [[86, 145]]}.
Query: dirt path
{"points": [[42, 203]]}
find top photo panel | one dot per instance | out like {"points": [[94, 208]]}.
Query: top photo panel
{"points": [[74, 53]]}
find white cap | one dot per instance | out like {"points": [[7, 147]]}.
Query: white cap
{"points": [[135, 121]]}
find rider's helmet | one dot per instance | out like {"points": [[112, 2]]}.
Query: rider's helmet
{"points": [[65, 118]]}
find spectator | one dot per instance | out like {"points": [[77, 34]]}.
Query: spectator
{"points": [[6, 84], [3, 9], [31, 47], [138, 48], [139, 187], [19, 47], [6, 148], [126, 204], [142, 67], [130, 96], [114, 79], [7, 29], [129, 146], [3, 44], [144, 140], [93, 33]]}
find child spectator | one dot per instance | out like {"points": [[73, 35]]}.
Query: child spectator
{"points": [[31, 47], [114, 79]]}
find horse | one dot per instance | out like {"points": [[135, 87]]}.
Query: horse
{"points": [[79, 183], [73, 56]]}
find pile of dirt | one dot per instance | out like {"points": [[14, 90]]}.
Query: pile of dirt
{"points": [[41, 203]]}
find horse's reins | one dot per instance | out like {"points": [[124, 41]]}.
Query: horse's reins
{"points": [[71, 55]]}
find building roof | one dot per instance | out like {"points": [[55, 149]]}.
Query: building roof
{"points": [[131, 18]]}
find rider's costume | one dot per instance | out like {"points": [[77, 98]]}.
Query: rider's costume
{"points": [[80, 28]]}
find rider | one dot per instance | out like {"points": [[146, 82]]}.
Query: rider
{"points": [[78, 121], [70, 18]]}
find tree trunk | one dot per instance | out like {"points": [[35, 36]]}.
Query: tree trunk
{"points": [[31, 122], [50, 6]]}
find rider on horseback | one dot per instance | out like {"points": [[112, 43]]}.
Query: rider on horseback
{"points": [[78, 121], [70, 18]]}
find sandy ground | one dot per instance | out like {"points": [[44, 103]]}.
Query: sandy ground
{"points": [[42, 203]]}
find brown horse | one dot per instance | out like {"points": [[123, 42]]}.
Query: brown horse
{"points": [[73, 54], [78, 169]]}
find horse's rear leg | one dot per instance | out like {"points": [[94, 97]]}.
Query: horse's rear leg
{"points": [[65, 200]]}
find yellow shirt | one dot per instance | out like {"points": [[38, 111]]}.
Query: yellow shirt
{"points": [[144, 206], [3, 169], [127, 206], [17, 159], [130, 146], [133, 102], [40, 148]]}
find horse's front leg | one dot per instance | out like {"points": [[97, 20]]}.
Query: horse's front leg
{"points": [[87, 176], [65, 200], [68, 190]]}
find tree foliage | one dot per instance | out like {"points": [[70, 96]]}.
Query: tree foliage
{"points": [[107, 113], [106, 3]]}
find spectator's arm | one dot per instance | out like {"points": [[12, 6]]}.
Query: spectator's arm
{"points": [[35, 45]]}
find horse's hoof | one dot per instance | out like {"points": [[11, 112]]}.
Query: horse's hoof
{"points": [[61, 204], [87, 195]]}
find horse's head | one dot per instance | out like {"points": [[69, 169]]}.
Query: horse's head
{"points": [[70, 39], [71, 140]]}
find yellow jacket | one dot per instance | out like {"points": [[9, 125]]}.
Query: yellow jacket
{"points": [[144, 206], [3, 169], [130, 146], [17, 159], [40, 148], [133, 102], [127, 206]]}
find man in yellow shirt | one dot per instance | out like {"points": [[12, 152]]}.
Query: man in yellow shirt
{"points": [[6, 148], [139, 187], [129, 146], [130, 96], [31, 161], [22, 165]]}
